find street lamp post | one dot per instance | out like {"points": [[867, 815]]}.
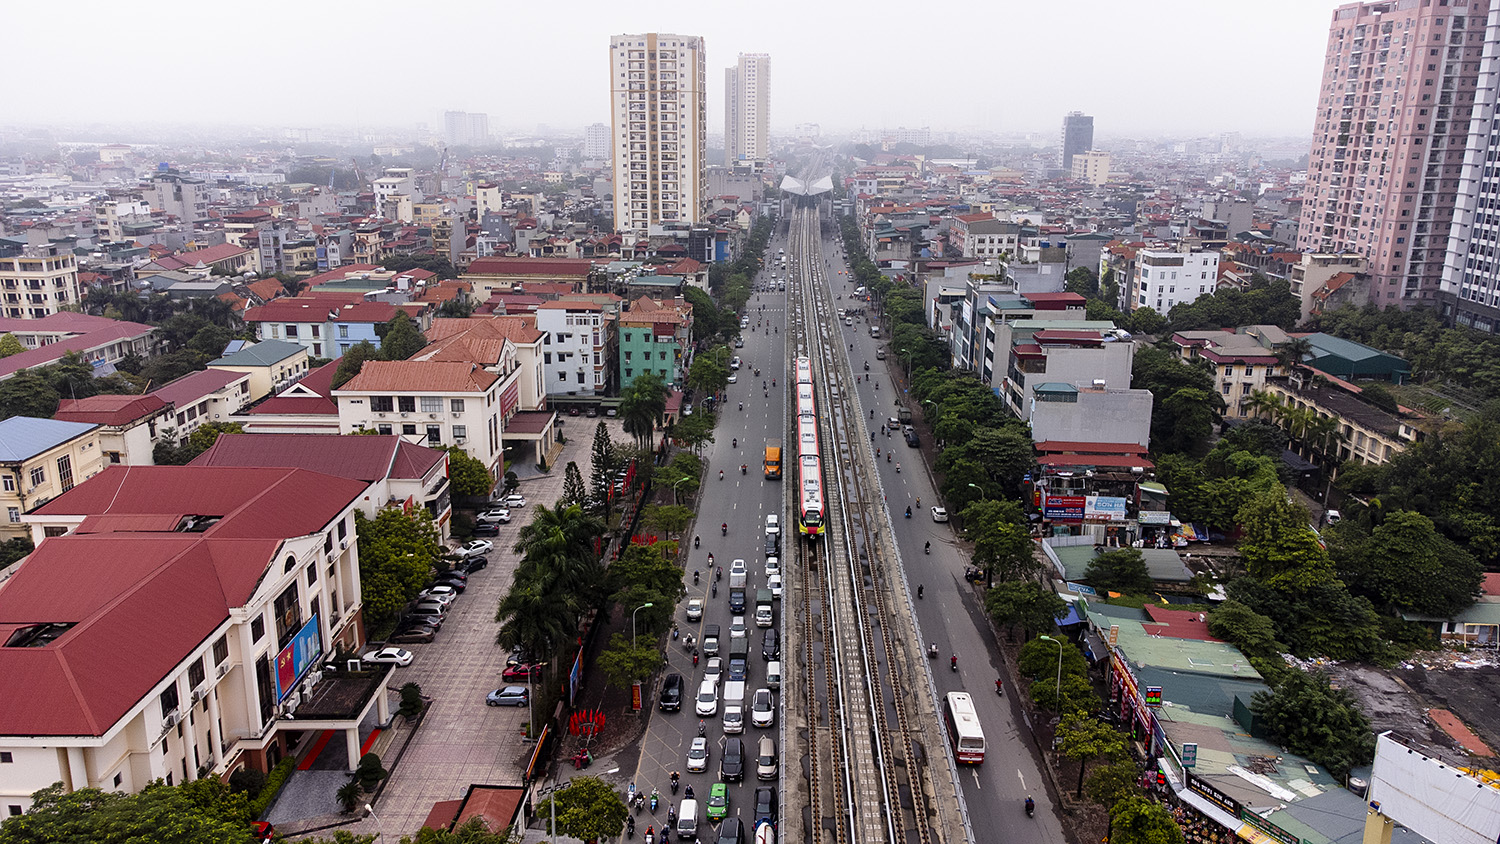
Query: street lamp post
{"points": [[379, 827], [1058, 643], [909, 354], [632, 621], [674, 487]]}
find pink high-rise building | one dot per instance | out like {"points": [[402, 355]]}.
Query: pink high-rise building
{"points": [[1388, 140]]}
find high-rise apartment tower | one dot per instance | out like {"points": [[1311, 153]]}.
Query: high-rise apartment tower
{"points": [[1077, 136], [659, 129], [747, 106], [1471, 278], [1394, 104]]}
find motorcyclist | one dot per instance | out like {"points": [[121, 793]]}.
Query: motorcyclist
{"points": [[721, 474], [908, 512], [926, 549], [695, 541], [744, 468], [953, 662], [710, 560], [932, 650], [724, 529], [920, 589], [735, 441]]}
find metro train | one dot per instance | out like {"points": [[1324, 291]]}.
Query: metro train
{"points": [[810, 503]]}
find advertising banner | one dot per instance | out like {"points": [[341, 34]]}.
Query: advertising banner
{"points": [[1104, 508], [1064, 507], [297, 657], [1154, 517]]}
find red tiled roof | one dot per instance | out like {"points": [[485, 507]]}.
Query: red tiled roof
{"points": [[339, 273], [1178, 624], [420, 377], [78, 343], [1110, 460], [195, 385], [207, 256], [114, 411], [266, 289], [321, 309], [363, 458], [127, 562], [1089, 448]]}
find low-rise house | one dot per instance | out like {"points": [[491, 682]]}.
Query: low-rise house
{"points": [[200, 606], [1242, 360], [306, 407], [101, 341], [226, 257], [271, 364], [212, 395], [442, 403], [128, 425], [655, 336], [326, 327], [41, 459], [574, 356]]}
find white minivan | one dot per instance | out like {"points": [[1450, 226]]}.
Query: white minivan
{"points": [[687, 820]]}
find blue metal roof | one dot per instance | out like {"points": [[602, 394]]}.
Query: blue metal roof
{"points": [[24, 437]]}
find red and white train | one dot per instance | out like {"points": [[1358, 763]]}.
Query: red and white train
{"points": [[810, 503]]}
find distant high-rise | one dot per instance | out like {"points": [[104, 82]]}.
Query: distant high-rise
{"points": [[464, 128], [1388, 140], [1077, 136], [659, 113], [1471, 278], [596, 141], [747, 106]]}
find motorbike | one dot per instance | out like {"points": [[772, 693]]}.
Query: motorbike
{"points": [[908, 512], [724, 529], [920, 589], [932, 651], [952, 663], [695, 542], [676, 781], [1030, 806], [629, 826], [999, 688], [926, 549], [656, 796], [867, 366], [744, 468], [695, 577], [735, 441], [640, 802]]}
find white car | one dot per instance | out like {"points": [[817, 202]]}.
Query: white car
{"points": [[773, 566], [763, 708], [744, 322], [395, 656], [713, 669], [735, 362], [695, 609], [708, 699], [697, 756], [737, 628], [475, 548], [773, 583], [939, 514], [497, 515], [444, 594], [737, 567], [733, 378], [773, 523], [514, 500]]}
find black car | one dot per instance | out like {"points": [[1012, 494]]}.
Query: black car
{"points": [[731, 831], [486, 529], [472, 564], [449, 580], [671, 693], [911, 437], [765, 805], [770, 645], [732, 761], [737, 601], [773, 545]]}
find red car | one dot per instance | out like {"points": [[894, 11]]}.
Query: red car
{"points": [[517, 672]]}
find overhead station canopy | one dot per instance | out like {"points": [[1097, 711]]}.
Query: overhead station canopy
{"points": [[798, 187]]}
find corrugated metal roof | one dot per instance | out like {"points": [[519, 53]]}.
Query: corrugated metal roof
{"points": [[24, 437]]}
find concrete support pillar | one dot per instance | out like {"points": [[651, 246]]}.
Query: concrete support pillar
{"points": [[78, 769], [351, 741]]}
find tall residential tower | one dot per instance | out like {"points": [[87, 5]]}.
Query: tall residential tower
{"points": [[1389, 137], [747, 106], [1471, 278], [659, 127], [1077, 136]]}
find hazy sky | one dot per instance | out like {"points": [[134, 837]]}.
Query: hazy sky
{"points": [[1143, 67]]}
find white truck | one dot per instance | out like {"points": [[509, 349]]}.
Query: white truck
{"points": [[734, 706]]}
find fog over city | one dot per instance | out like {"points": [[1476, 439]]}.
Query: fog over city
{"points": [[1146, 68]]}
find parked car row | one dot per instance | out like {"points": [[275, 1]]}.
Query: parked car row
{"points": [[425, 617]]}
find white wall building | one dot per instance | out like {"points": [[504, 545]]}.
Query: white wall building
{"points": [[444, 403], [1164, 278], [747, 111], [659, 120], [397, 189], [596, 145], [573, 354]]}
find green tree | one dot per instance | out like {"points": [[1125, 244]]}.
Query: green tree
{"points": [[1002, 544], [643, 406], [573, 491], [669, 519], [1246, 629], [1122, 570], [1038, 659], [1136, 820], [1185, 422], [473, 832], [397, 553], [695, 431], [1404, 564], [9, 345], [1077, 695], [624, 664], [558, 578], [353, 361], [710, 371], [203, 437], [1024, 604], [1313, 719], [1083, 281], [587, 809], [12, 550], [1109, 784], [1084, 738], [27, 393], [601, 475], [194, 812], [401, 339], [1278, 547], [468, 474]]}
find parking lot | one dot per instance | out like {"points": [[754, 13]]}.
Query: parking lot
{"points": [[463, 741]]}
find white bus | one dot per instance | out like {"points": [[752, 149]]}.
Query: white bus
{"points": [[963, 727]]}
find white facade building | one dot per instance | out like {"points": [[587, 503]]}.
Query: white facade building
{"points": [[596, 144], [445, 403], [397, 189], [659, 119], [747, 107], [1164, 278], [573, 354]]}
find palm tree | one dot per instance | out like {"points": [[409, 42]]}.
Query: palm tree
{"points": [[1262, 402], [557, 548], [537, 618], [1322, 435], [1291, 352]]}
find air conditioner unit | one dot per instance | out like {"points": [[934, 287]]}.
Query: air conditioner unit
{"points": [[380, 415], [404, 415], [460, 440], [344, 543], [457, 415], [432, 416], [198, 695], [223, 669], [170, 721]]}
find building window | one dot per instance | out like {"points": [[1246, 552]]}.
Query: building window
{"points": [[197, 673], [384, 429], [169, 699], [221, 650], [257, 628], [382, 404], [343, 332], [291, 331], [406, 404], [456, 405], [312, 575], [38, 476], [14, 513], [6, 758], [460, 431], [8, 482], [434, 433], [15, 810], [65, 472], [408, 430], [432, 404]]}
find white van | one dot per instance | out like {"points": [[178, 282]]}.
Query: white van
{"points": [[687, 820], [773, 674]]}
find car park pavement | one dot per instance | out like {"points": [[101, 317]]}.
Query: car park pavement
{"points": [[461, 740]]}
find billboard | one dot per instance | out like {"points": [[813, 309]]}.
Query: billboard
{"points": [[297, 657], [1104, 508], [1064, 507]]}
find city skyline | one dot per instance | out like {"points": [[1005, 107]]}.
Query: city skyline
{"points": [[827, 57]]}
